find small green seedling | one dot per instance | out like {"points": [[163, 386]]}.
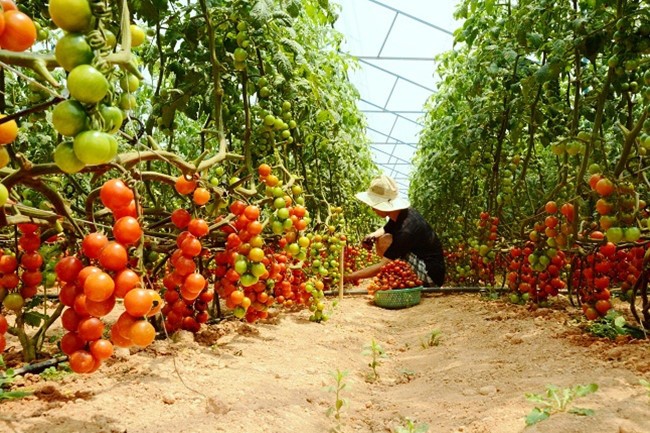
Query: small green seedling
{"points": [[611, 326], [645, 384], [433, 339], [558, 400], [6, 379], [376, 352], [337, 389], [56, 373], [411, 427]]}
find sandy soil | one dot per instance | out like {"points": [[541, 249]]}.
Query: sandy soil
{"points": [[277, 376]]}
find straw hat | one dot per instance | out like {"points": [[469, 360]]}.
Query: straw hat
{"points": [[383, 195]]}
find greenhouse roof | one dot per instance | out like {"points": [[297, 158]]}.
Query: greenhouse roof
{"points": [[395, 42]]}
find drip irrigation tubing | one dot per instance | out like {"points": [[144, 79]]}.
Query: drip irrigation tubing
{"points": [[459, 289], [37, 367]]}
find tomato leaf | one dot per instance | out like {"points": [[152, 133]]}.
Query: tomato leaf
{"points": [[34, 318], [294, 7], [582, 390], [13, 394], [283, 63], [536, 398], [537, 415]]}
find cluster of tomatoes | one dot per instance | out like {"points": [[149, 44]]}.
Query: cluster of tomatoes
{"points": [[90, 289], [532, 283], [17, 30], [325, 252], [4, 326], [394, 275], [246, 269], [187, 295], [607, 266], [617, 206], [483, 258], [356, 258], [475, 262], [94, 112], [25, 270]]}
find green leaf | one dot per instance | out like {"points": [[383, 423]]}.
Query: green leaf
{"points": [[536, 398], [537, 415], [284, 17], [292, 45], [582, 390], [283, 63], [261, 12], [34, 318], [294, 7], [581, 411], [619, 322], [13, 394]]}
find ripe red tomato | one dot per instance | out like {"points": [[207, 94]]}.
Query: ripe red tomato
{"points": [[604, 187], [99, 286], [114, 194], [567, 210], [8, 264], [237, 207], [113, 257], [90, 328], [198, 227], [31, 261], [101, 308], [92, 244], [184, 186], [125, 280], [252, 212], [181, 218], [201, 196], [138, 302], [127, 230], [142, 333], [4, 325], [264, 170], [101, 349], [70, 343], [603, 306], [81, 361], [184, 265], [129, 210], [32, 278], [8, 5], [191, 246], [19, 33], [550, 207]]}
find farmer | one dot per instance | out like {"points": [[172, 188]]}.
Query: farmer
{"points": [[405, 236]]}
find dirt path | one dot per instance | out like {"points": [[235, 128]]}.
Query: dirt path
{"points": [[274, 377]]}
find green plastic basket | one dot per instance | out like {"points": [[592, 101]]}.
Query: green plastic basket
{"points": [[398, 298]]}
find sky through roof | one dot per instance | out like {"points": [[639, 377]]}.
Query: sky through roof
{"points": [[395, 42]]}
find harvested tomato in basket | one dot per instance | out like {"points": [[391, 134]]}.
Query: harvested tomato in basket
{"points": [[394, 275]]}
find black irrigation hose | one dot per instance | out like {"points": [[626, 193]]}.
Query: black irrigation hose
{"points": [[37, 367], [427, 290]]}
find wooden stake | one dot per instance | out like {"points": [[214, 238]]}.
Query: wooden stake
{"points": [[341, 270]]}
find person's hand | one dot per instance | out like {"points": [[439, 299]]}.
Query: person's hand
{"points": [[368, 241]]}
